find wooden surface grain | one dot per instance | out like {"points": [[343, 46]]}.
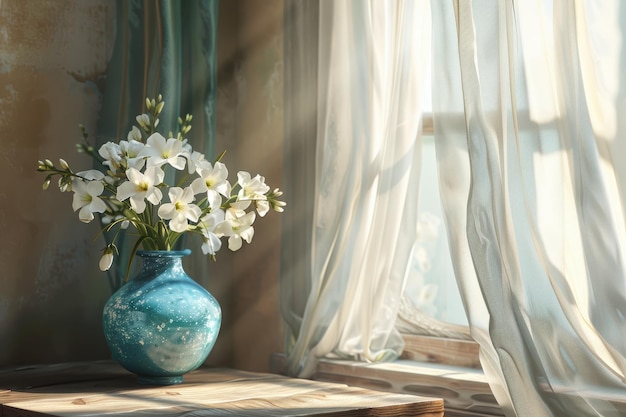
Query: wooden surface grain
{"points": [[441, 350], [105, 389]]}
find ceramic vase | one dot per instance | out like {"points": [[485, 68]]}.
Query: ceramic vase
{"points": [[161, 324]]}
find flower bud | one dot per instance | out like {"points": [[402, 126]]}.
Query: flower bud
{"points": [[159, 107], [143, 120], [277, 205], [63, 163], [46, 184], [65, 184], [107, 259]]}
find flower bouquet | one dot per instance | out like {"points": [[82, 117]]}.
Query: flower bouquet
{"points": [[163, 189]]}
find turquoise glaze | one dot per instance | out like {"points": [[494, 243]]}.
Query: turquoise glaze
{"points": [[162, 324]]}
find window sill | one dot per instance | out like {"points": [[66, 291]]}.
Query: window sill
{"points": [[465, 391], [456, 352]]}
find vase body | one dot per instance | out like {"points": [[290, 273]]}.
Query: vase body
{"points": [[161, 324]]}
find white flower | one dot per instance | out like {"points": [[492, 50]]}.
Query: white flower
{"points": [[134, 134], [86, 198], [112, 154], [179, 210], [213, 181], [254, 189], [131, 150], [251, 188], [195, 160], [237, 228], [207, 225], [162, 151], [141, 186], [262, 207]]}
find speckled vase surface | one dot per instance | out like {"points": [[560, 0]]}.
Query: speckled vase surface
{"points": [[161, 324]]}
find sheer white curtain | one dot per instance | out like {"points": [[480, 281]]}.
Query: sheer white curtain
{"points": [[530, 132], [370, 77], [529, 102]]}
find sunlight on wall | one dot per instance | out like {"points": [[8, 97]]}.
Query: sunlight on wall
{"points": [[249, 125]]}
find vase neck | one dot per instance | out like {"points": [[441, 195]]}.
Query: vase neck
{"points": [[155, 262], [163, 253]]}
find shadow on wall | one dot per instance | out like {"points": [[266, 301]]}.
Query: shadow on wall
{"points": [[52, 57]]}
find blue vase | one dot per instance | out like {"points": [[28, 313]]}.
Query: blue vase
{"points": [[161, 324]]}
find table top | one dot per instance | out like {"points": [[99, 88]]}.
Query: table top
{"points": [[104, 388]]}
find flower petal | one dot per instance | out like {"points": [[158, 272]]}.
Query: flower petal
{"points": [[211, 244], [179, 224], [167, 211], [85, 215], [234, 243]]}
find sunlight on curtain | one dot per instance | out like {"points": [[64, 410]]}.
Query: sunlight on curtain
{"points": [[368, 151], [529, 173], [166, 48], [530, 121]]}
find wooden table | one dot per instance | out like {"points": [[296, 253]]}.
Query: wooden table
{"points": [[106, 389]]}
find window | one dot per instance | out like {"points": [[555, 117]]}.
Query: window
{"points": [[445, 365]]}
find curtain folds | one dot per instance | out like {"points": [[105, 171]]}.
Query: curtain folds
{"points": [[166, 48], [530, 123], [370, 82], [532, 197]]}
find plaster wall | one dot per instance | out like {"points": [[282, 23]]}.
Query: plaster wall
{"points": [[53, 59], [52, 56]]}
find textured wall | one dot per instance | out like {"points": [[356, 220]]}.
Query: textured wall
{"points": [[52, 54], [250, 127], [259, 149], [53, 57]]}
